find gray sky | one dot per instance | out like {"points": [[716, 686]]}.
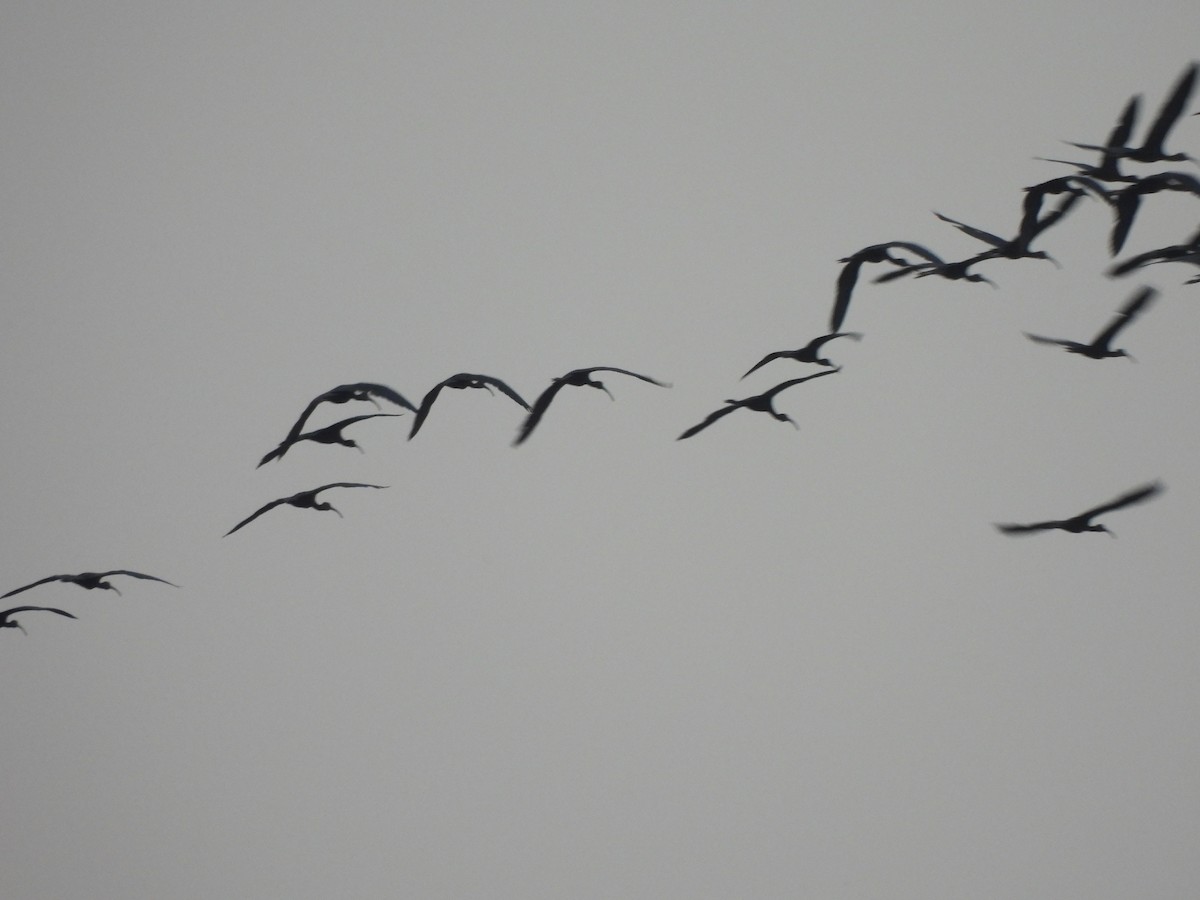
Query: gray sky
{"points": [[758, 663]]}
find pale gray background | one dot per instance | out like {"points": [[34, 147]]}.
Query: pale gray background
{"points": [[759, 663]]}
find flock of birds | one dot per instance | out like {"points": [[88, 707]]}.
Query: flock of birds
{"points": [[1103, 180]]}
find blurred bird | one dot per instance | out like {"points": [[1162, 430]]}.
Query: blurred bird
{"points": [[89, 580], [1083, 522], [1099, 347], [330, 434], [302, 500], [1017, 247], [759, 403], [6, 620], [1127, 200], [462, 381], [1108, 169], [1188, 252], [876, 253], [1152, 149], [344, 393], [809, 353], [575, 378]]}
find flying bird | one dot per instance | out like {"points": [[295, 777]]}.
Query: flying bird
{"points": [[1127, 200], [330, 434], [876, 253], [809, 353], [1017, 247], [759, 403], [1100, 348], [1188, 252], [89, 580], [1152, 149], [1083, 522], [302, 500], [575, 378], [1108, 169], [6, 620], [461, 381], [344, 393]]}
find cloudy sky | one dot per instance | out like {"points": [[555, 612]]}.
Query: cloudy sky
{"points": [[763, 662]]}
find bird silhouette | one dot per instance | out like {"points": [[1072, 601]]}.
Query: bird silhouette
{"points": [[6, 620], [809, 353], [1100, 346], [876, 253], [1152, 149], [344, 393], [330, 434], [1126, 201], [461, 381], [1188, 252], [89, 580], [763, 402], [1083, 522], [575, 378], [302, 500], [1108, 168], [1017, 247]]}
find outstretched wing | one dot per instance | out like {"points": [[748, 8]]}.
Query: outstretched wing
{"points": [[19, 609], [1049, 340], [540, 405], [45, 580], [778, 354], [794, 381], [137, 575], [712, 417], [645, 378], [504, 388], [978, 233], [426, 403], [1137, 495], [1170, 112], [254, 515], [1027, 529], [1125, 315], [382, 390], [845, 287]]}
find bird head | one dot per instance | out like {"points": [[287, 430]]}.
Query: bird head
{"points": [[599, 385]]}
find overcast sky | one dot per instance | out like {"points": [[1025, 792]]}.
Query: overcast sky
{"points": [[762, 662]]}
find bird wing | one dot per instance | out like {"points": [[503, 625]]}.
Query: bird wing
{"points": [[787, 384], [539, 409], [778, 354], [1125, 210], [18, 609], [45, 580], [278, 452], [137, 575], [382, 390], [1032, 224], [426, 403], [986, 236], [1137, 495], [345, 484], [338, 426], [646, 378], [1027, 529], [254, 515], [712, 417], [1125, 315], [818, 342], [1049, 340], [1170, 112], [845, 286], [504, 388]]}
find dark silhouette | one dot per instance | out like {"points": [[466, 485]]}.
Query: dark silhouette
{"points": [[876, 253], [1031, 226], [6, 620], [1152, 150], [1100, 347], [759, 403], [302, 500], [330, 434], [809, 353], [1083, 522], [1127, 200], [575, 378], [462, 381], [344, 393], [1108, 169], [1188, 252], [89, 580]]}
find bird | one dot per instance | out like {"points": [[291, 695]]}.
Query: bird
{"points": [[6, 620], [759, 403], [330, 434], [1152, 149], [461, 381], [89, 580], [575, 378], [1099, 347], [344, 393], [874, 254], [1108, 169], [302, 500], [1188, 252], [809, 353], [1126, 201], [1083, 522], [1017, 247]]}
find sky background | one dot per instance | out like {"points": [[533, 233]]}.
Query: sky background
{"points": [[758, 663]]}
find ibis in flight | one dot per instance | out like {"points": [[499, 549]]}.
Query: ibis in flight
{"points": [[575, 378], [7, 620], [462, 381], [1100, 346], [759, 403], [302, 500], [1083, 522], [89, 580]]}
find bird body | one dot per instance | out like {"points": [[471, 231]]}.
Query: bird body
{"points": [[330, 434], [809, 353], [1100, 347], [89, 580], [876, 253], [763, 402], [461, 381], [344, 393], [1083, 522], [302, 500], [574, 378], [6, 620]]}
